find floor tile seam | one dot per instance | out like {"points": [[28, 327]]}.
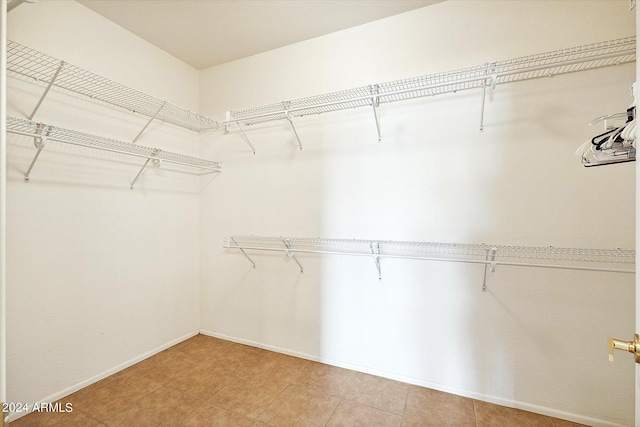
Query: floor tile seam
{"points": [[202, 404], [320, 387], [333, 412], [373, 407], [407, 418], [271, 401], [194, 397], [53, 414], [475, 412], [404, 418], [406, 399], [183, 394], [103, 422], [257, 417], [210, 399], [200, 401], [127, 402], [209, 403], [306, 386], [151, 378], [404, 408], [204, 364], [160, 384]]}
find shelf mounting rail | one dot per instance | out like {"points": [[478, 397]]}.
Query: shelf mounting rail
{"points": [[603, 260], [490, 74], [42, 133], [26, 62]]}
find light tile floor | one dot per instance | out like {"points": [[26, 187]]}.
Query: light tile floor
{"points": [[206, 381]]}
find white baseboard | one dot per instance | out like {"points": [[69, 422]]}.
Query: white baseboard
{"points": [[70, 390], [576, 418]]}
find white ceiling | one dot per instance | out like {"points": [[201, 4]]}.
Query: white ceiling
{"points": [[204, 33]]}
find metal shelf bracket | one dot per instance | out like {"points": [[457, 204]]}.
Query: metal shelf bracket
{"points": [[253, 264], [246, 138], [375, 103], [39, 142], [375, 250], [140, 173], [490, 256], [46, 91], [493, 79], [294, 130], [154, 162], [152, 118], [291, 254]]}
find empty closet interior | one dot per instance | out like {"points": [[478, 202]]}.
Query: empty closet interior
{"points": [[413, 198]]}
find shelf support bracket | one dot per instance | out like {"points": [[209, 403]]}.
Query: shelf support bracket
{"points": [[46, 91], [39, 142], [244, 135], [243, 252], [490, 256], [375, 103], [294, 130], [291, 254], [493, 77], [140, 173], [149, 122], [375, 250]]}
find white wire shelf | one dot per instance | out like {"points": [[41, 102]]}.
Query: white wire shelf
{"points": [[42, 133], [604, 260], [490, 74], [53, 72]]}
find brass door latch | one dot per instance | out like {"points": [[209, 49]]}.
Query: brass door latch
{"points": [[630, 346]]}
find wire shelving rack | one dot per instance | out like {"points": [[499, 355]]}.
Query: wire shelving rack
{"points": [[604, 260], [53, 72], [42, 133], [490, 74]]}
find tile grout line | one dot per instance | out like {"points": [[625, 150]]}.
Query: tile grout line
{"points": [[475, 412], [200, 405], [270, 402], [371, 406], [92, 417], [341, 398], [333, 412], [404, 408]]}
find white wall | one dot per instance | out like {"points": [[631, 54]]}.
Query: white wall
{"points": [[98, 275], [536, 339]]}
